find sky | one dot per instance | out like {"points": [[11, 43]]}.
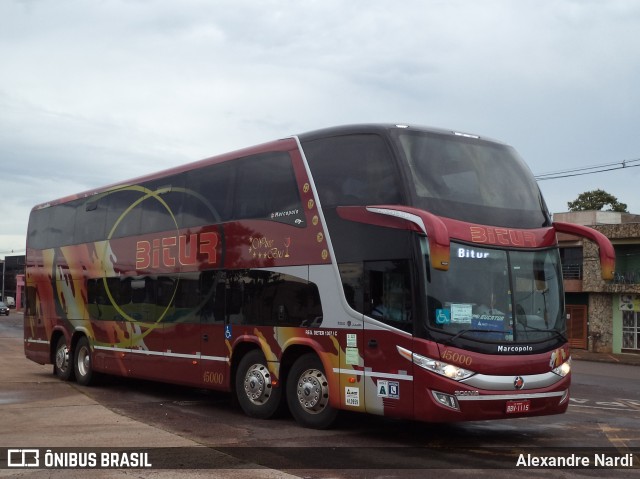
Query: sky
{"points": [[93, 92]]}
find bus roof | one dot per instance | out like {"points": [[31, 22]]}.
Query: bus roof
{"points": [[381, 128], [283, 144]]}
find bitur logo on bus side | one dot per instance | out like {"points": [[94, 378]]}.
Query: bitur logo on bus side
{"points": [[169, 250], [503, 236]]}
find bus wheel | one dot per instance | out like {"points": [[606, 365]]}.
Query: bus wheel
{"points": [[62, 366], [82, 362], [308, 393], [254, 387]]}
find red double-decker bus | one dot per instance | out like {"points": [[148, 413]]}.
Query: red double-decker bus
{"points": [[388, 269]]}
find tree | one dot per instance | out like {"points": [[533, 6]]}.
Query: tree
{"points": [[596, 200]]}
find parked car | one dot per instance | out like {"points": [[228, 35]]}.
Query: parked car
{"points": [[4, 309]]}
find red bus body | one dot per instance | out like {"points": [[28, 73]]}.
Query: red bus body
{"points": [[186, 304]]}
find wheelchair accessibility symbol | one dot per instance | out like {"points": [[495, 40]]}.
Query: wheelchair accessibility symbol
{"points": [[227, 331], [443, 316]]}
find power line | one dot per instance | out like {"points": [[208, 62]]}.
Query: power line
{"points": [[588, 170], [12, 251]]}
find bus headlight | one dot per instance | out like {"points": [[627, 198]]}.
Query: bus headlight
{"points": [[563, 369], [444, 369]]}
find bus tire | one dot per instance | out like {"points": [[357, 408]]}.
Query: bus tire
{"points": [[256, 394], [308, 393], [62, 362], [82, 362]]}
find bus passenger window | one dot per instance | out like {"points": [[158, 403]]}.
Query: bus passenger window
{"points": [[62, 223], [208, 195], [389, 293], [353, 170], [120, 220], [164, 202], [351, 276], [267, 189]]}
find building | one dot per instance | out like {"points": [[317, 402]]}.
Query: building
{"points": [[603, 316]]}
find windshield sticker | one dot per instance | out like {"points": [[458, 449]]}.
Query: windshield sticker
{"points": [[489, 323], [443, 316], [461, 313]]}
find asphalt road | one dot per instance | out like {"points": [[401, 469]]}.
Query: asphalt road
{"points": [[207, 430]]}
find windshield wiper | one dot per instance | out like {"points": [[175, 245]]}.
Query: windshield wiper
{"points": [[465, 331], [555, 331]]}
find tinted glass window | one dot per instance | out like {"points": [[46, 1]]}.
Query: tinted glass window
{"points": [[471, 180], [90, 221], [38, 224], [123, 216], [381, 290], [353, 170], [208, 195], [268, 298], [212, 296], [102, 299], [388, 293], [496, 295], [61, 224], [162, 204], [267, 188], [238, 297], [352, 278]]}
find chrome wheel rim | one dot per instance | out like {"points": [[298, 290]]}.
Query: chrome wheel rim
{"points": [[62, 358], [313, 391], [257, 384], [84, 361]]}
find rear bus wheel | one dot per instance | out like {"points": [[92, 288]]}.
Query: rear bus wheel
{"points": [[254, 387], [82, 362], [308, 393], [62, 366]]}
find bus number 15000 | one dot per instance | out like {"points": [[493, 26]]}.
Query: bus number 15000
{"points": [[457, 358], [211, 377]]}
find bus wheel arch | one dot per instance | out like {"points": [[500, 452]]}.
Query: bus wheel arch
{"points": [[62, 358], [256, 391], [308, 393]]}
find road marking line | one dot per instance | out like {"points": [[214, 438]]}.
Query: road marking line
{"points": [[602, 407], [617, 442]]}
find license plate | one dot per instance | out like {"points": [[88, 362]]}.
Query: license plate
{"points": [[514, 407]]}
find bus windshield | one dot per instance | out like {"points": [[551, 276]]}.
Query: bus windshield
{"points": [[471, 180], [498, 296]]}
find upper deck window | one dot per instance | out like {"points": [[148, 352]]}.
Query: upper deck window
{"points": [[353, 170], [471, 180], [261, 186]]}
